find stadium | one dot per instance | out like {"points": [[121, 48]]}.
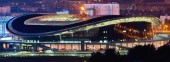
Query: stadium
{"points": [[82, 32]]}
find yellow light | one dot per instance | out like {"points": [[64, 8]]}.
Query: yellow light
{"points": [[82, 8]]}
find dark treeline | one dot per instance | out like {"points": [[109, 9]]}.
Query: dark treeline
{"points": [[146, 53]]}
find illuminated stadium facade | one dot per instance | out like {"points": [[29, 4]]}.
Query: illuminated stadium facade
{"points": [[80, 32]]}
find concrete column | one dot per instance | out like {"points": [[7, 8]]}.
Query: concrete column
{"points": [[72, 34], [100, 46], [107, 46], [58, 46], [82, 46], [60, 37], [85, 46], [1, 47], [71, 46], [35, 49]]}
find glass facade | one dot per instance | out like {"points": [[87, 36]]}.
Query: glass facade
{"points": [[3, 21], [76, 47]]}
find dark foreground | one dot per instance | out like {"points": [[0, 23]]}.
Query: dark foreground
{"points": [[146, 53], [43, 59]]}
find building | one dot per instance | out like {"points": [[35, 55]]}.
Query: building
{"points": [[77, 32], [164, 18], [167, 1], [5, 10], [102, 9], [165, 22], [3, 21], [62, 12], [4, 34]]}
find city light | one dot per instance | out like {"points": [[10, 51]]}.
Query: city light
{"points": [[82, 8], [85, 30], [6, 38]]}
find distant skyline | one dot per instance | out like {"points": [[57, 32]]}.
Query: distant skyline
{"points": [[73, 6]]}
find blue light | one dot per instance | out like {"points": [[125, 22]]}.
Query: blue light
{"points": [[11, 43]]}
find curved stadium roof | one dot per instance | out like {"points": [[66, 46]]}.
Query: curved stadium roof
{"points": [[43, 24]]}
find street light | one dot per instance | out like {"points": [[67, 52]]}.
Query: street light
{"points": [[82, 12], [82, 8]]}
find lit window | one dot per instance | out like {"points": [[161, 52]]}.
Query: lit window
{"points": [[106, 32], [105, 37], [103, 31]]}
